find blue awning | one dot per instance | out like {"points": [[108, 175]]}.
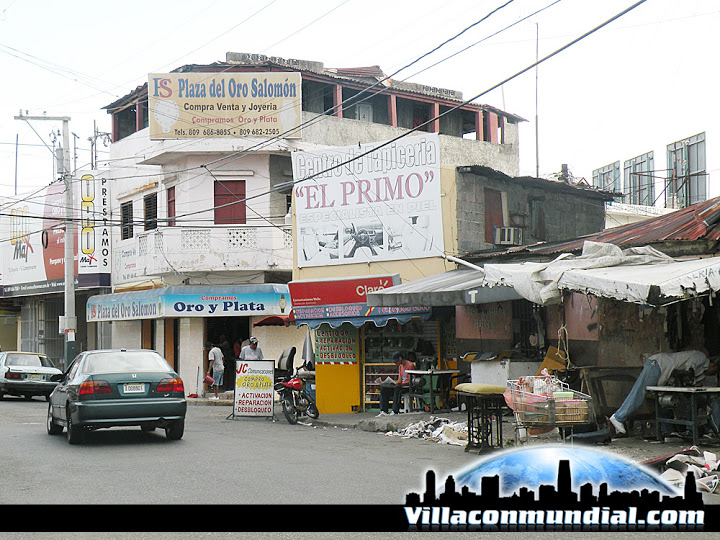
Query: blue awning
{"points": [[360, 321], [357, 315]]}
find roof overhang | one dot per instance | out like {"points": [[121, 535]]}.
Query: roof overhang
{"points": [[453, 288]]}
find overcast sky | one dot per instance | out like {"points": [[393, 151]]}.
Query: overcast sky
{"points": [[646, 80]]}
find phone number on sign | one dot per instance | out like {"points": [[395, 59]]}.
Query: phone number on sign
{"points": [[242, 132]]}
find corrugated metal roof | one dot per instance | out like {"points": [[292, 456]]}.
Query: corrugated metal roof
{"points": [[371, 71], [700, 221]]}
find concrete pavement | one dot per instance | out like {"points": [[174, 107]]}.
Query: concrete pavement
{"points": [[633, 446]]}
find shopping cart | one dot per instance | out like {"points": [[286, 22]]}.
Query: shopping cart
{"points": [[544, 402]]}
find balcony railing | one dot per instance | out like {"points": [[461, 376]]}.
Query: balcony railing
{"points": [[197, 249]]}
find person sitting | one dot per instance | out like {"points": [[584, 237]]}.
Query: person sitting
{"points": [[657, 370], [402, 384]]}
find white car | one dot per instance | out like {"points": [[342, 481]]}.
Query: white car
{"points": [[26, 374]]}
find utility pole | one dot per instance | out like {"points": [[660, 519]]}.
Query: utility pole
{"points": [[68, 322]]}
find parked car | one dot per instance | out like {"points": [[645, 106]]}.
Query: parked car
{"points": [[26, 374], [108, 388]]}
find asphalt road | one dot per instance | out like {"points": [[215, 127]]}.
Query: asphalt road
{"points": [[218, 461]]}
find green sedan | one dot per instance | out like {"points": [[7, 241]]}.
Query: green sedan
{"points": [[107, 388]]}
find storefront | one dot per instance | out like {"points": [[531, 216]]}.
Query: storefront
{"points": [[178, 321], [354, 342]]}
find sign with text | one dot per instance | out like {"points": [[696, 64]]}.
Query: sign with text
{"points": [[369, 202], [201, 105], [176, 302], [254, 392], [338, 291], [356, 310], [33, 262], [336, 345]]}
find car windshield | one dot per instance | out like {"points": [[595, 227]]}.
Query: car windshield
{"points": [[114, 362], [27, 360]]}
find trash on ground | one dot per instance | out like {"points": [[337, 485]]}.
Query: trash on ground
{"points": [[437, 429], [703, 465]]}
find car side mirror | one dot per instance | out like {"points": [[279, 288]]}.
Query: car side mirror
{"points": [[57, 377]]}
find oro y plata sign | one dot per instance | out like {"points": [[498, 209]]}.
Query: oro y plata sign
{"points": [[200, 105]]}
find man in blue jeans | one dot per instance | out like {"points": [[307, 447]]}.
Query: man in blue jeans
{"points": [[656, 372]]}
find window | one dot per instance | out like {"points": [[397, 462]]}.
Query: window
{"points": [[229, 202], [150, 217], [607, 178], [171, 205], [687, 182], [126, 220], [640, 180]]}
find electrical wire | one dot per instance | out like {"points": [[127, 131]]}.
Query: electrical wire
{"points": [[417, 128]]}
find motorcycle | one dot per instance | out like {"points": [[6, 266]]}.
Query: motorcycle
{"points": [[294, 396]]}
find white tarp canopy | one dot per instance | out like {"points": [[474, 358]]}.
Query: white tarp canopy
{"points": [[642, 275]]}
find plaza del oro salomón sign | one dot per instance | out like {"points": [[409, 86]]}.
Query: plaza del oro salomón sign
{"points": [[190, 301], [201, 105]]}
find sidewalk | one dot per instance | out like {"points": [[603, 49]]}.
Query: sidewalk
{"points": [[633, 447], [366, 421]]}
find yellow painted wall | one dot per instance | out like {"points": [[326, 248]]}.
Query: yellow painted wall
{"points": [[338, 388]]}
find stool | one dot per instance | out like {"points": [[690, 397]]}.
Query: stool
{"points": [[485, 406], [406, 404]]}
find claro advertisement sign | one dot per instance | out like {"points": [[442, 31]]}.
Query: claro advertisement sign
{"points": [[201, 105], [33, 261], [369, 203]]}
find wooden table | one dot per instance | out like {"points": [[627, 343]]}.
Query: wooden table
{"points": [[434, 375], [694, 392]]}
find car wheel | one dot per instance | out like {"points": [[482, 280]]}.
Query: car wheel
{"points": [[289, 410], [175, 431], [52, 427], [75, 434], [27, 397]]}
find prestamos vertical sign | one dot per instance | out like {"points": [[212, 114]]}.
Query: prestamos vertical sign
{"points": [[254, 392], [369, 203], [33, 262]]}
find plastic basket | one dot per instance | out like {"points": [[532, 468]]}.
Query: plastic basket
{"points": [[543, 401]]}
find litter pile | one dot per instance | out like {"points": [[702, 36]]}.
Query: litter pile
{"points": [[704, 467], [437, 429]]}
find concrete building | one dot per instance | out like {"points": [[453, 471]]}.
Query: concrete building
{"points": [[203, 198]]}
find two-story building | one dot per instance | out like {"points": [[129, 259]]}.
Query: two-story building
{"points": [[206, 236]]}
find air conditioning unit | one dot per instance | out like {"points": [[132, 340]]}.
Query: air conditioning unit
{"points": [[508, 236]]}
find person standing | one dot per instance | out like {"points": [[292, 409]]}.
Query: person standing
{"points": [[251, 351], [402, 385], [216, 367]]}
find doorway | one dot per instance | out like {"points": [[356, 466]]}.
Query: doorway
{"points": [[223, 332]]}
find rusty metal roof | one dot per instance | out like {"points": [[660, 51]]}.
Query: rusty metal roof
{"points": [[699, 222]]}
